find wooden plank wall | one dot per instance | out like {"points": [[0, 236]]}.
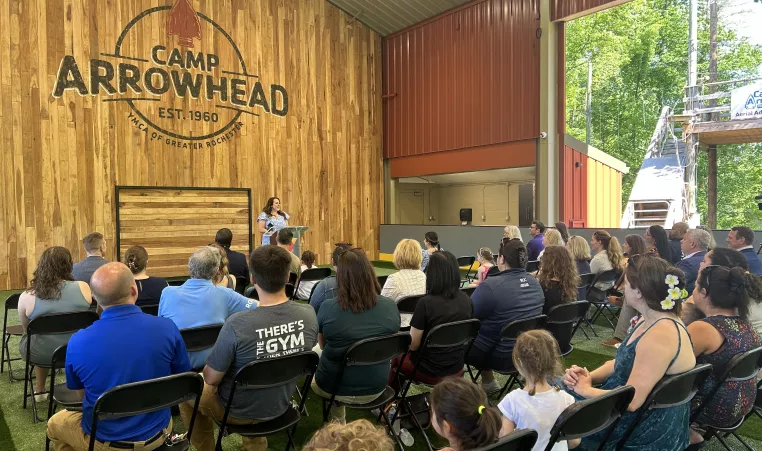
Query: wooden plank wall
{"points": [[172, 223], [62, 157]]}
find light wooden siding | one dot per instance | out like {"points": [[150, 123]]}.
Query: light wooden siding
{"points": [[604, 195], [61, 158], [172, 223]]}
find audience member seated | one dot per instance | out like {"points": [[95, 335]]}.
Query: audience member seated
{"points": [[285, 241], [356, 313], [95, 248], [551, 237], [511, 231], [538, 405], [694, 246], [237, 261], [722, 294], [580, 250], [558, 277], [326, 288], [741, 239], [305, 288], [712, 242], [608, 256], [278, 327], [430, 245], [507, 296], [658, 243], [561, 227], [676, 234], [444, 303], [535, 244], [149, 288], [659, 345], [409, 280], [462, 415], [634, 246], [198, 302], [223, 278], [486, 260], [124, 346], [359, 435], [52, 290]]}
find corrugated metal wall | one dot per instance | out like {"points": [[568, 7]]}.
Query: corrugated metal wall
{"points": [[604, 195], [467, 78], [573, 184]]}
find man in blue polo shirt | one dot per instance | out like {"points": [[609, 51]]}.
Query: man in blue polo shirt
{"points": [[198, 302], [124, 346]]}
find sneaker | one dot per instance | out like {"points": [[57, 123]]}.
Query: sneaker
{"points": [[41, 397], [614, 342], [492, 387]]}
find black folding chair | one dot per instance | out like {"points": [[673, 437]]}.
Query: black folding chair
{"points": [[492, 271], [290, 290], [670, 391], [200, 338], [382, 280], [176, 282], [240, 284], [292, 278], [142, 397], [406, 306], [584, 286], [468, 290], [56, 324], [455, 337], [271, 373], [592, 415], [309, 275], [599, 301], [511, 331], [11, 303], [150, 309], [519, 440], [371, 351], [251, 292], [740, 368], [466, 261], [533, 266], [563, 321], [60, 395]]}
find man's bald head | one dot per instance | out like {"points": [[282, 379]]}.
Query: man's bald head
{"points": [[113, 284]]}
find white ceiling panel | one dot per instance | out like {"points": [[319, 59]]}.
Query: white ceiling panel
{"points": [[389, 16]]}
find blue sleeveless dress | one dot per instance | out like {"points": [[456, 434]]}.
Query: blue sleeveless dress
{"points": [[659, 429]]}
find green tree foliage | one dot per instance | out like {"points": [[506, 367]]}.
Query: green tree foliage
{"points": [[639, 52]]}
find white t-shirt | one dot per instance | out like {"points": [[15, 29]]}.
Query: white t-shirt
{"points": [[305, 288], [538, 412]]}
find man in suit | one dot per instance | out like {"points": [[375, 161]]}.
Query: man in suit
{"points": [[237, 265], [741, 239], [694, 246], [95, 247]]}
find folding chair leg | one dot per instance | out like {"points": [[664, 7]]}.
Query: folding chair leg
{"points": [[47, 442], [723, 442], [27, 378], [418, 425], [290, 433], [746, 445], [2, 358]]}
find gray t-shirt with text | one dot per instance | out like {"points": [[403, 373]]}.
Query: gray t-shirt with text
{"points": [[263, 333]]}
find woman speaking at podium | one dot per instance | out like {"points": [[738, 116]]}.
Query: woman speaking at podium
{"points": [[271, 220]]}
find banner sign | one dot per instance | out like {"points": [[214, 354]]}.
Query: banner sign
{"points": [[746, 102], [182, 96]]}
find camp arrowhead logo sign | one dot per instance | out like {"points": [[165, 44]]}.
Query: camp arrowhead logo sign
{"points": [[190, 90]]}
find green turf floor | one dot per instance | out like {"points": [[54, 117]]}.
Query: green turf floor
{"points": [[17, 432]]}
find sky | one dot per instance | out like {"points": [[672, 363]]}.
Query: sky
{"points": [[745, 16]]}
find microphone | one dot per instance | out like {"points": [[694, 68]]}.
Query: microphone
{"points": [[280, 212]]}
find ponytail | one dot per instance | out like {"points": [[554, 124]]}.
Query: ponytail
{"points": [[728, 288], [614, 253], [465, 407], [433, 239]]}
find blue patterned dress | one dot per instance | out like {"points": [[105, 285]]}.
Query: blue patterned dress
{"points": [[277, 223], [660, 429]]}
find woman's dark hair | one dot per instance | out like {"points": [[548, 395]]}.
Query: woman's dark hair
{"points": [[648, 273], [561, 227], [357, 282], [731, 258], [443, 275], [433, 239], [269, 205], [559, 266], [637, 245], [53, 268], [661, 241], [308, 257], [464, 406], [514, 253], [726, 288], [136, 258]]}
